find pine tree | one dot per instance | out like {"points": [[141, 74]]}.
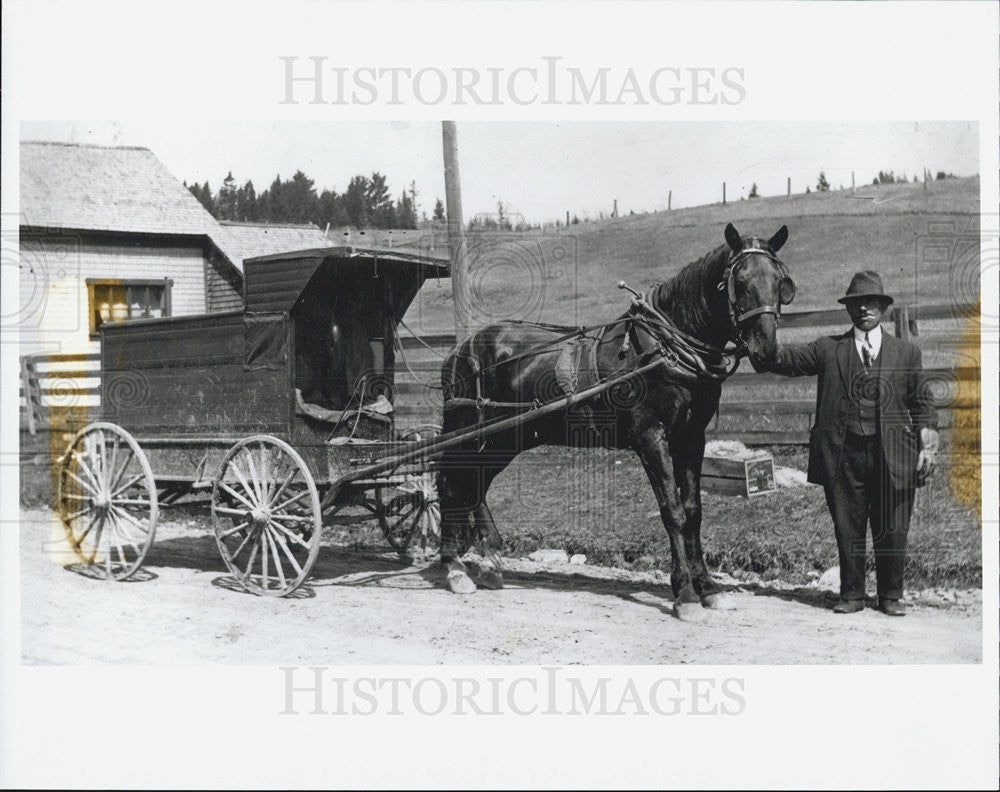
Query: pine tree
{"points": [[355, 202], [225, 201], [378, 202], [822, 185], [246, 202], [439, 210], [753, 191], [300, 199]]}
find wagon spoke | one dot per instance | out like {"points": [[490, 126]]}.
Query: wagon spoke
{"points": [[131, 502], [114, 458], [117, 475], [235, 529], [265, 553], [265, 472], [235, 494], [294, 499], [243, 544], [253, 553], [131, 518], [81, 464], [291, 535], [277, 561], [113, 523], [254, 477], [231, 512], [82, 512], [94, 470], [293, 517], [281, 488], [251, 493], [132, 481], [288, 553], [81, 482]]}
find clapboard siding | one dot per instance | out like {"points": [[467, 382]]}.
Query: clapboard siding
{"points": [[223, 286], [55, 269]]}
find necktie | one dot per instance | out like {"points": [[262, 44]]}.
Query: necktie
{"points": [[866, 353]]}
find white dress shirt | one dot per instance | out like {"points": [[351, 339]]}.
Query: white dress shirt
{"points": [[874, 341]]}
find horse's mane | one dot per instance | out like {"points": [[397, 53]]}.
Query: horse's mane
{"points": [[684, 298]]}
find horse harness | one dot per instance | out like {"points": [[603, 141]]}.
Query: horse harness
{"points": [[649, 331]]}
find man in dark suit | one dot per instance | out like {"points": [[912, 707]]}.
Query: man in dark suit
{"points": [[874, 440]]}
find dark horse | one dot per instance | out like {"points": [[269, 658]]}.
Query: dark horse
{"points": [[732, 294]]}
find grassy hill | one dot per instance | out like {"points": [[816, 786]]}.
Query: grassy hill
{"points": [[569, 276]]}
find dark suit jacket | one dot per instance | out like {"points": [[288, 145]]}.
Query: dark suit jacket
{"points": [[904, 406]]}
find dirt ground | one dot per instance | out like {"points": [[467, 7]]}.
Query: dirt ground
{"points": [[369, 607]]}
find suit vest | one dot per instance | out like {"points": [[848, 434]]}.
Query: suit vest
{"points": [[862, 415]]}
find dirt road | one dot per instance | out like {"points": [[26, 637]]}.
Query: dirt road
{"points": [[374, 608]]}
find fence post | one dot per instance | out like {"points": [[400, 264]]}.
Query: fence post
{"points": [[670, 197], [789, 186], [567, 218], [723, 193], [28, 387]]}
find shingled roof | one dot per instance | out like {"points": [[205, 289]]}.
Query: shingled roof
{"points": [[105, 188], [127, 189], [247, 240]]}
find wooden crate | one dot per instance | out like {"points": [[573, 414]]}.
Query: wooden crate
{"points": [[725, 475]]}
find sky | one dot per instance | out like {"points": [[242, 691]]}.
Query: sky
{"points": [[541, 170]]}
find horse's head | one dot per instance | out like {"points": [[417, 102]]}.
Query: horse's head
{"points": [[756, 284]]}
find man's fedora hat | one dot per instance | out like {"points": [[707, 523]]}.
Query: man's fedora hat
{"points": [[866, 284]]}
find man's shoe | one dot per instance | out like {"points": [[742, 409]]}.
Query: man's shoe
{"points": [[849, 606], [891, 607]]}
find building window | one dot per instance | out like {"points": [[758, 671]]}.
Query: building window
{"points": [[113, 300]]}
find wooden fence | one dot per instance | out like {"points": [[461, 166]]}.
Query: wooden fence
{"points": [[58, 388]]}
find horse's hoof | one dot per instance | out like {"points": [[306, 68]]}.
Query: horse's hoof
{"points": [[459, 582], [491, 579], [718, 601], [689, 611]]}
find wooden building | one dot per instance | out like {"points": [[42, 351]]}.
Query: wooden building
{"points": [[109, 234]]}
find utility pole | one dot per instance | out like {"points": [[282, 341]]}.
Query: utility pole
{"points": [[723, 193], [456, 238], [670, 198]]}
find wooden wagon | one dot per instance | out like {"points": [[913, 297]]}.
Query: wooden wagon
{"points": [[261, 411], [280, 415]]}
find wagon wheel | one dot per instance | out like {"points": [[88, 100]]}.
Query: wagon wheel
{"points": [[107, 500], [410, 514], [266, 516], [409, 511]]}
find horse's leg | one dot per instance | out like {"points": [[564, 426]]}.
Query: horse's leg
{"points": [[655, 457], [454, 488], [687, 471], [491, 574]]}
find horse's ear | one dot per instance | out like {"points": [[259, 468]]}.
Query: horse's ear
{"points": [[779, 239], [733, 238]]}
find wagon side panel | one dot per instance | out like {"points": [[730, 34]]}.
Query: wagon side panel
{"points": [[178, 384]]}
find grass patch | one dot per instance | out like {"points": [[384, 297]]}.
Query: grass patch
{"points": [[599, 503]]}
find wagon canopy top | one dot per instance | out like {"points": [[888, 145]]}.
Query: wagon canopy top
{"points": [[276, 282]]}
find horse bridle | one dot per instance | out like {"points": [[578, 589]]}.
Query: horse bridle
{"points": [[728, 284]]}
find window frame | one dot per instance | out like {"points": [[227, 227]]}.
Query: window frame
{"points": [[125, 283]]}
